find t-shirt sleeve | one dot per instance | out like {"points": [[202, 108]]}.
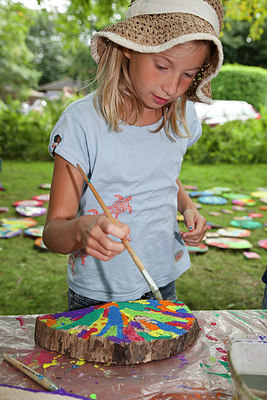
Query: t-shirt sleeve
{"points": [[68, 140], [193, 124]]}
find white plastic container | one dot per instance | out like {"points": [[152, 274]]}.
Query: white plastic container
{"points": [[247, 360]]}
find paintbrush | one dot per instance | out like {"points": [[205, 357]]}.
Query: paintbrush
{"points": [[136, 259], [39, 378]]}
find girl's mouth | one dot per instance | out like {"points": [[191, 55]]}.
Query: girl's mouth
{"points": [[159, 100]]}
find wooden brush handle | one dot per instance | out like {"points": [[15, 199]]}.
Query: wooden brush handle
{"points": [[127, 245], [39, 378]]}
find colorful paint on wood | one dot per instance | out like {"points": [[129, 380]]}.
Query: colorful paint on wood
{"points": [[126, 321], [21, 223], [212, 200], [28, 203], [229, 243], [132, 326], [36, 231], [28, 211]]}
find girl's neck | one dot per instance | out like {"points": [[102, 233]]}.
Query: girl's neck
{"points": [[150, 117]]}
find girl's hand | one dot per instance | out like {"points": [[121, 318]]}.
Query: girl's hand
{"points": [[96, 232], [65, 233], [196, 225]]}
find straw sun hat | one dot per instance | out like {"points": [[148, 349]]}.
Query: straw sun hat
{"points": [[153, 26]]}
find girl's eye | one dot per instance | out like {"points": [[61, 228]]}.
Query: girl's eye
{"points": [[160, 67], [190, 76]]}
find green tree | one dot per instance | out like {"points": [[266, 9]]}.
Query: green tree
{"points": [[45, 42], [102, 12], [252, 11], [82, 66], [240, 49], [17, 73]]}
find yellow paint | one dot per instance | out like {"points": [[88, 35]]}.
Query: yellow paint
{"points": [[129, 316], [140, 301], [80, 362], [74, 330], [160, 332], [174, 308], [54, 362], [98, 325]]}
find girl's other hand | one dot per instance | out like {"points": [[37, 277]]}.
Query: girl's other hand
{"points": [[196, 225], [100, 237]]}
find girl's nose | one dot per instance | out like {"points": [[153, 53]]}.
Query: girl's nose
{"points": [[170, 86]]}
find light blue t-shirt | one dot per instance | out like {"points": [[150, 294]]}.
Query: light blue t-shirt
{"points": [[135, 173]]}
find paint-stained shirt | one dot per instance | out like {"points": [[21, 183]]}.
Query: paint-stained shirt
{"points": [[135, 172]]}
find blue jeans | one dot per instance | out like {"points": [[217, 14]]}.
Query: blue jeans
{"points": [[76, 301], [264, 300]]}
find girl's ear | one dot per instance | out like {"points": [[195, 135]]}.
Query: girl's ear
{"points": [[126, 52]]}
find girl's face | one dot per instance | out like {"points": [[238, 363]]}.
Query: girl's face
{"points": [[160, 78]]}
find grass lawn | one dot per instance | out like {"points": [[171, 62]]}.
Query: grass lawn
{"points": [[34, 282]]}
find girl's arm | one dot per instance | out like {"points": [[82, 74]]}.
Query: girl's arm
{"points": [[64, 233], [194, 221]]}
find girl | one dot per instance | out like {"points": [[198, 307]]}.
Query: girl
{"points": [[130, 137]]}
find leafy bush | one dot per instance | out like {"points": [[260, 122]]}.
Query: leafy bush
{"points": [[234, 142], [239, 82], [26, 136]]}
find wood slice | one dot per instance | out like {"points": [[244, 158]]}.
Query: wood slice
{"points": [[121, 333]]}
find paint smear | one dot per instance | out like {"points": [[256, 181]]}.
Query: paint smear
{"points": [[212, 338], [21, 321], [54, 362]]}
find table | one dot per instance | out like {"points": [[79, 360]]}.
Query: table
{"points": [[201, 371]]}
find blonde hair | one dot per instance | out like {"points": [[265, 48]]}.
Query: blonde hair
{"points": [[115, 94]]}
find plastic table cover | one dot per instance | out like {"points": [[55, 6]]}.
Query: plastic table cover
{"points": [[201, 371]]}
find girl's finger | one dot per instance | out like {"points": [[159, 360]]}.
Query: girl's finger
{"points": [[105, 245]]}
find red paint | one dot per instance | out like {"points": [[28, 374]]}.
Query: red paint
{"points": [[38, 358], [89, 333], [77, 319], [105, 313], [21, 321], [179, 324], [221, 350], [132, 334], [212, 338]]}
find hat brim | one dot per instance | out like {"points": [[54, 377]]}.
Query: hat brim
{"points": [[147, 34]]}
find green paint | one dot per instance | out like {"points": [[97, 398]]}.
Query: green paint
{"points": [[224, 364], [61, 322], [135, 306], [205, 365], [111, 332], [157, 317], [87, 320], [226, 376], [213, 359], [93, 396], [148, 337], [241, 319]]}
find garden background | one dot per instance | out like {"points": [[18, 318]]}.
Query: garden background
{"points": [[44, 45]]}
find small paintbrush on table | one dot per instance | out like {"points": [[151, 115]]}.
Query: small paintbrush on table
{"points": [[136, 259], [39, 378]]}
